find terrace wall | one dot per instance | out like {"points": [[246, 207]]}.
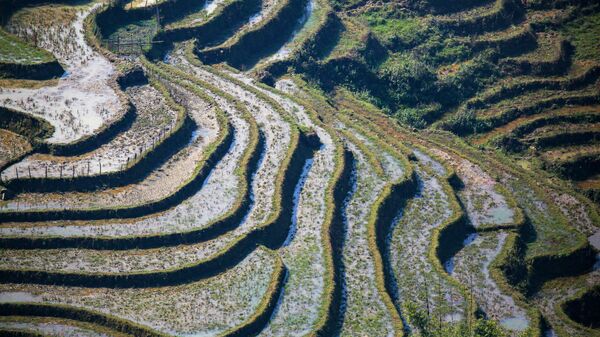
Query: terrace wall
{"points": [[28, 126], [245, 50], [36, 71]]}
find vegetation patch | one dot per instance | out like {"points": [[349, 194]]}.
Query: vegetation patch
{"points": [[583, 33]]}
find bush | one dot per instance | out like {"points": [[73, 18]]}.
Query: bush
{"points": [[398, 33], [470, 78], [409, 80], [411, 116], [464, 122]]}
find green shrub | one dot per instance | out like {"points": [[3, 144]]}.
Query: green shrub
{"points": [[464, 122], [470, 78], [397, 33], [410, 81], [411, 116], [584, 33]]}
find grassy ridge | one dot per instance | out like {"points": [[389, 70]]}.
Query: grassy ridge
{"points": [[544, 265], [393, 197], [446, 238], [391, 200], [271, 233]]}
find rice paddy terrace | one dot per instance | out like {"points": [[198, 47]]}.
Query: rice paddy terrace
{"points": [[299, 168]]}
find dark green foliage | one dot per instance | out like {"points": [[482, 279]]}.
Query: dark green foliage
{"points": [[470, 78], [410, 81], [584, 33], [395, 29], [412, 116], [464, 122], [509, 143], [446, 51], [406, 82], [487, 328], [503, 14], [399, 31], [346, 4], [441, 48]]}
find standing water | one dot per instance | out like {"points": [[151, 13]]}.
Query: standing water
{"points": [[449, 265], [297, 190]]}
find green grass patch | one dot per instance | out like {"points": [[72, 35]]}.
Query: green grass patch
{"points": [[584, 33], [15, 50], [143, 29], [395, 30], [350, 38]]}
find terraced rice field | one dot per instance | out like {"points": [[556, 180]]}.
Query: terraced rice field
{"points": [[299, 168]]}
